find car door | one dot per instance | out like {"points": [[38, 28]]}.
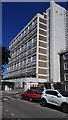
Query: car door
{"points": [[52, 97], [48, 95], [30, 94], [55, 98], [25, 94]]}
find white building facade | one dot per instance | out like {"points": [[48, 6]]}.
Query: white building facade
{"points": [[34, 51]]}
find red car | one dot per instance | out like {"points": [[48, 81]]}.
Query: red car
{"points": [[32, 95]]}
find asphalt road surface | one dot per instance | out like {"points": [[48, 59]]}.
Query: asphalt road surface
{"points": [[25, 109]]}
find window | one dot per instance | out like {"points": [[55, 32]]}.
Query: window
{"points": [[34, 57], [35, 21], [33, 69], [52, 93], [34, 39], [34, 49], [29, 59], [26, 31], [16, 51], [20, 48], [29, 42], [20, 62], [65, 56], [11, 66], [66, 76], [25, 45], [30, 26], [22, 34], [29, 52], [65, 66], [15, 65], [18, 37], [56, 11], [32, 23], [55, 93], [24, 61], [49, 92]]}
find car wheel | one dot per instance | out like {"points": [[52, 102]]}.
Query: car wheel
{"points": [[43, 103], [64, 108], [30, 99]]}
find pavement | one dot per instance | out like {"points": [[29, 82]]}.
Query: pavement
{"points": [[12, 94], [17, 91]]}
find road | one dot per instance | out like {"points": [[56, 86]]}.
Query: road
{"points": [[25, 109]]}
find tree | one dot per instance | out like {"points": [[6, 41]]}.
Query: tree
{"points": [[5, 57]]}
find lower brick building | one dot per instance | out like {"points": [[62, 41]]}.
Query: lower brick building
{"points": [[64, 67]]}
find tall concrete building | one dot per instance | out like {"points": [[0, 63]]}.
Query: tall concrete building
{"points": [[58, 37], [34, 51]]}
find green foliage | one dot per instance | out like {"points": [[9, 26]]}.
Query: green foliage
{"points": [[5, 57]]}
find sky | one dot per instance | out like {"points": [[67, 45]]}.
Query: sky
{"points": [[15, 15]]}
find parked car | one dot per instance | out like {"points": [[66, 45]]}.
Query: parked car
{"points": [[55, 97], [31, 95]]}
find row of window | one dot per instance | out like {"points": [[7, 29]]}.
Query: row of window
{"points": [[26, 54], [21, 72], [58, 12], [26, 31], [32, 64], [31, 36], [27, 44], [22, 62]]}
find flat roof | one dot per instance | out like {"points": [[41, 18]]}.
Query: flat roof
{"points": [[63, 51]]}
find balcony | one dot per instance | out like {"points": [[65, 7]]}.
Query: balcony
{"points": [[22, 38], [34, 50], [28, 65], [34, 44]]}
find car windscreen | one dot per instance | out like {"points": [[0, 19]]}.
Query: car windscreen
{"points": [[64, 93]]}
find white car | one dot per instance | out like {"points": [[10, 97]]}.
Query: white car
{"points": [[56, 98]]}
